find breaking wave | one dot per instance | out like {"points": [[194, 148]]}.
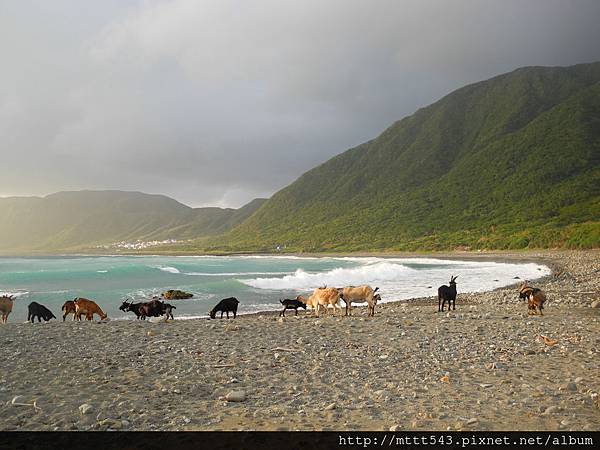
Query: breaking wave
{"points": [[15, 294], [301, 280], [233, 274], [169, 269]]}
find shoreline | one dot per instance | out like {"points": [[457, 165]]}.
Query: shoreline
{"points": [[442, 254], [481, 367], [503, 257]]}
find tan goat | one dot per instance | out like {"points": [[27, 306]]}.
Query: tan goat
{"points": [[322, 297], [359, 294]]}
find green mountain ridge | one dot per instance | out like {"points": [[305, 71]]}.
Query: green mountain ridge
{"points": [[506, 163], [79, 220], [510, 162]]}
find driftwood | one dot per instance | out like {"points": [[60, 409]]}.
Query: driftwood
{"points": [[548, 341], [14, 402]]}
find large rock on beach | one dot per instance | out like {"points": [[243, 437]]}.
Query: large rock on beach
{"points": [[175, 294]]}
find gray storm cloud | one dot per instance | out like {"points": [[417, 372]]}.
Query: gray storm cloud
{"points": [[218, 102]]}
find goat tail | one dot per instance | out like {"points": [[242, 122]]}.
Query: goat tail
{"points": [[375, 290]]}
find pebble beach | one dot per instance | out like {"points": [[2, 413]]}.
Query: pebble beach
{"points": [[484, 366]]}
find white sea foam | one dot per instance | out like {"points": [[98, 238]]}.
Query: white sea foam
{"points": [[234, 274], [102, 271], [15, 294], [169, 269], [301, 280]]}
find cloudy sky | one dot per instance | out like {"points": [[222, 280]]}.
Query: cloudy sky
{"points": [[218, 102]]}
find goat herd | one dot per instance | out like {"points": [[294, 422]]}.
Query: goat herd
{"points": [[321, 298]]}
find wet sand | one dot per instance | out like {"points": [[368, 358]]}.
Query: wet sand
{"points": [[481, 367]]}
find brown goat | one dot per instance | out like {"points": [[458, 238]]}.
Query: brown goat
{"points": [[535, 298], [68, 308], [86, 307], [6, 305]]}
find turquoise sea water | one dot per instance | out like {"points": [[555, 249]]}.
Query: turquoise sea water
{"points": [[258, 282]]}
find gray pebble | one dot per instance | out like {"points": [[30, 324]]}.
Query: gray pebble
{"points": [[86, 409]]}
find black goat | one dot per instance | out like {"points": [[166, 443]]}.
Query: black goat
{"points": [[168, 310], [39, 311], [291, 304], [225, 306], [133, 307], [154, 308], [447, 294]]}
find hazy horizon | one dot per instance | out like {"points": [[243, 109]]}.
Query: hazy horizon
{"points": [[218, 103], [127, 191]]}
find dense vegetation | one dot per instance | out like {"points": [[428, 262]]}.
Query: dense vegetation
{"points": [[511, 162], [80, 220]]}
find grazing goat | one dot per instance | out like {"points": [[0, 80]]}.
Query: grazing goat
{"points": [[322, 296], [359, 294], [291, 304], [226, 305], [39, 311], [67, 308], [86, 307], [309, 302], [447, 294], [535, 298], [6, 305], [376, 299]]}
